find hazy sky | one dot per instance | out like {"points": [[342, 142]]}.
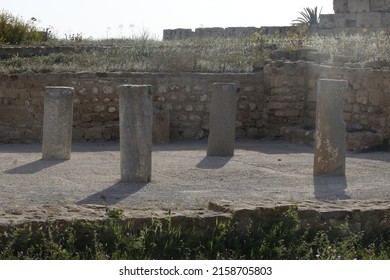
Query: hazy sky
{"points": [[117, 18]]}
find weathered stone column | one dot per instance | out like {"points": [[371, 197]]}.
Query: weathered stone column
{"points": [[135, 131], [330, 134], [57, 123], [222, 119]]}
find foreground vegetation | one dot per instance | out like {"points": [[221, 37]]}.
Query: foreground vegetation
{"points": [[112, 239]]}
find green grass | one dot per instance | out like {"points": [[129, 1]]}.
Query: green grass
{"points": [[114, 239]]}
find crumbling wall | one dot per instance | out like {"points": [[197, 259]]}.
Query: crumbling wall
{"points": [[229, 32], [184, 96], [283, 95]]}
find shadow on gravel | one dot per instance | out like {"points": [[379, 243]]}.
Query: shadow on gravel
{"points": [[34, 167], [213, 162], [112, 195], [330, 188]]}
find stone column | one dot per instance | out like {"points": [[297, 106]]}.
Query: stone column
{"points": [[222, 119], [330, 134], [135, 130], [57, 123]]}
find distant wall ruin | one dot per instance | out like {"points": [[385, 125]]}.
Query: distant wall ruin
{"points": [[350, 16], [229, 32]]}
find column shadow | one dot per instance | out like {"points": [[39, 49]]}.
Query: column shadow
{"points": [[213, 162], [330, 188], [34, 167], [113, 194]]}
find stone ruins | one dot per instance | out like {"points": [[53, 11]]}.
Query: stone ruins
{"points": [[278, 101], [57, 123], [330, 134], [354, 16], [350, 16], [136, 117], [222, 120], [229, 32]]}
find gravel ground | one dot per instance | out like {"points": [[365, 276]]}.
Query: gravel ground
{"points": [[184, 178]]}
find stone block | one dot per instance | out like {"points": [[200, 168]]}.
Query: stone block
{"points": [[87, 118], [363, 140], [253, 132], [297, 135], [345, 20], [386, 20], [94, 134], [77, 133], [161, 126], [279, 113], [57, 123], [221, 139], [385, 99], [330, 138], [369, 20], [327, 21], [291, 113], [340, 6], [277, 105], [362, 97], [256, 115], [209, 32], [359, 6], [380, 5], [136, 129]]}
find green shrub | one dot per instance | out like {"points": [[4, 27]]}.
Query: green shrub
{"points": [[280, 238], [15, 31]]}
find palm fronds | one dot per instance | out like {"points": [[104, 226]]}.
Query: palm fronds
{"points": [[309, 16]]}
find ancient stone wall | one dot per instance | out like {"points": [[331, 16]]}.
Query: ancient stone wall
{"points": [[370, 217], [367, 106], [351, 16], [356, 16], [283, 95], [186, 98], [229, 32]]}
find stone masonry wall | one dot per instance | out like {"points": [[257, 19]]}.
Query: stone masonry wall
{"points": [[368, 216], [228, 32], [283, 95], [356, 16], [186, 98], [367, 99]]}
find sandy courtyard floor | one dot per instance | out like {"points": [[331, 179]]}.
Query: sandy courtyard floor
{"points": [[184, 178]]}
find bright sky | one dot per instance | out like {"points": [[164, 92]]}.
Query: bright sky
{"points": [[123, 18]]}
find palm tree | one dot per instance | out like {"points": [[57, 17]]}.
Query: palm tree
{"points": [[309, 16]]}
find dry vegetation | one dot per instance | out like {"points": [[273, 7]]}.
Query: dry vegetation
{"points": [[143, 54], [357, 48]]}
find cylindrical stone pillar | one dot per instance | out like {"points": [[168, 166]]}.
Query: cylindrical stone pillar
{"points": [[222, 119], [57, 123], [135, 131], [330, 134]]}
